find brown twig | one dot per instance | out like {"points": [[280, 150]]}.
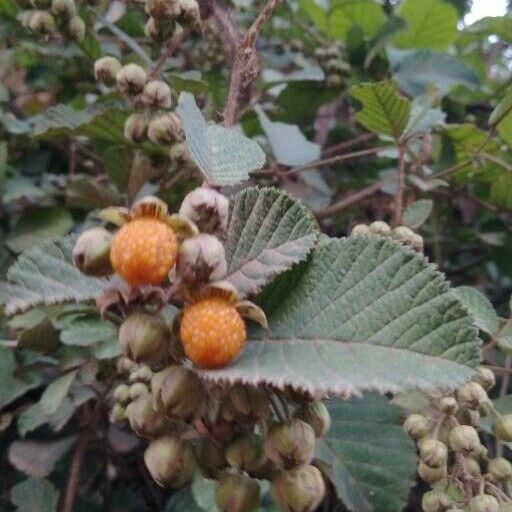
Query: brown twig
{"points": [[364, 137], [400, 186]]}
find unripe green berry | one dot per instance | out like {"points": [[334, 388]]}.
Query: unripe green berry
{"points": [[144, 337], [485, 377], [484, 503], [431, 475], [298, 490], [138, 389], [144, 420], [91, 253], [247, 404], [106, 69], [290, 444], [360, 229], [448, 405], [76, 28], [502, 428], [247, 453], [464, 439], [380, 228], [431, 502], [170, 461], [472, 395], [131, 79], [416, 426], [136, 128], [316, 415], [433, 453], [237, 493], [211, 458], [122, 394], [500, 469], [157, 93]]}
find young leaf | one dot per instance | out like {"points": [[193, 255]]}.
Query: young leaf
{"points": [[430, 24], [46, 275], [288, 143], [417, 213], [423, 116], [224, 155], [55, 393], [480, 307], [268, 232], [366, 14], [372, 462], [363, 313], [35, 494], [384, 110]]}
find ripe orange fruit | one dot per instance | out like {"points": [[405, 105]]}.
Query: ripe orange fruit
{"points": [[144, 251], [212, 332]]}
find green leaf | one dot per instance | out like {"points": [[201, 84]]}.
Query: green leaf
{"points": [[480, 307], [225, 156], [384, 110], [423, 116], [35, 494], [366, 14], [86, 193], [117, 161], [363, 313], [415, 71], [38, 226], [38, 458], [90, 46], [502, 110], [268, 232], [9, 8], [85, 330], [55, 393], [316, 13], [46, 275], [288, 143], [417, 213], [430, 24], [392, 26], [372, 462], [41, 337]]}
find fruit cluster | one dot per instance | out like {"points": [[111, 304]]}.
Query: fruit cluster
{"points": [[402, 234], [331, 60], [153, 97], [49, 17], [453, 461], [168, 16]]}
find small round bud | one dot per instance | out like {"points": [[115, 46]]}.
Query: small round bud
{"points": [[337, 66], [131, 79], [177, 392], [160, 9], [247, 404], [402, 233], [170, 461], [360, 229], [416, 242], [207, 208], [433, 453], [76, 28], [122, 394], [500, 469], [448, 405], [502, 428], [144, 420], [237, 493], [201, 259], [472, 395], [143, 373], [91, 253], [152, 29], [138, 389], [431, 475], [506, 506], [178, 153], [125, 365], [484, 503], [333, 51], [247, 453], [136, 128], [380, 228], [106, 69], [416, 426], [290, 444], [485, 377], [431, 502], [298, 490], [210, 458], [316, 415], [190, 10], [334, 80], [464, 439], [118, 413], [157, 93], [63, 8], [42, 22], [472, 466], [144, 337], [164, 129]]}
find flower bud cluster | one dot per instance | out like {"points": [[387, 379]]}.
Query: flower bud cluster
{"points": [[402, 234], [52, 17], [168, 16], [209, 54], [335, 67]]}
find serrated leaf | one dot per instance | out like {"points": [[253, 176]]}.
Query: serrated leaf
{"points": [[38, 458], [87, 330], [372, 462], [480, 307], [366, 14], [224, 155], [423, 116], [46, 275], [417, 213], [268, 232], [90, 46], [362, 313], [415, 71], [38, 226], [55, 393], [288, 143], [430, 24], [384, 110], [35, 495]]}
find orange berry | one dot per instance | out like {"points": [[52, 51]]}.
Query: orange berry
{"points": [[144, 251], [212, 332]]}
